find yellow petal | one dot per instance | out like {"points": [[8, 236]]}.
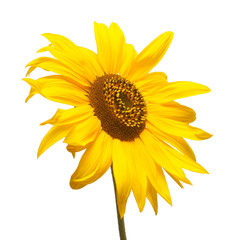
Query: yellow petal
{"points": [[60, 41], [154, 172], [84, 132], [177, 142], [117, 47], [122, 174], [80, 56], [110, 47], [172, 110], [180, 160], [129, 56], [77, 67], [58, 89], [103, 46], [162, 187], [94, 163], [152, 197], [151, 81], [150, 56], [32, 92], [154, 149], [175, 179], [44, 49], [54, 65], [32, 68], [180, 129], [55, 134], [73, 149], [175, 90], [139, 177], [70, 116]]}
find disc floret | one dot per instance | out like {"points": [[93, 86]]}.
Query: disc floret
{"points": [[119, 105]]}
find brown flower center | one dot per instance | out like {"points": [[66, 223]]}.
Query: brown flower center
{"points": [[119, 106]]}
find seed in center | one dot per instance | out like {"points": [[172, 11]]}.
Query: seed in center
{"points": [[126, 101], [119, 106]]}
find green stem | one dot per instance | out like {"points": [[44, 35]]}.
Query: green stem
{"points": [[121, 226]]}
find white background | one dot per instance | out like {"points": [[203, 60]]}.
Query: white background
{"points": [[36, 201]]}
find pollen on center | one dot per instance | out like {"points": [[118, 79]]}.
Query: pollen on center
{"points": [[119, 106]]}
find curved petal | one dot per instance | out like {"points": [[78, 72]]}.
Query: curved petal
{"points": [[70, 116], [181, 160], [175, 90], [54, 65], [139, 177], [150, 56], [80, 68], [161, 185], [152, 197], [103, 45], [172, 110], [60, 42], [94, 163], [83, 133], [122, 173], [154, 172], [58, 89], [73, 149], [55, 134], [176, 128], [175, 179], [128, 59], [177, 142], [110, 47], [154, 149], [117, 46], [151, 81], [82, 59]]}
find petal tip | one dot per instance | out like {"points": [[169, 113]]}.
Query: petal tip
{"points": [[39, 154], [169, 200], [26, 100], [71, 184], [208, 89], [171, 34], [45, 34], [205, 171], [45, 122], [205, 136]]}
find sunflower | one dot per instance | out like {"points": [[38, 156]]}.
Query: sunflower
{"points": [[123, 115]]}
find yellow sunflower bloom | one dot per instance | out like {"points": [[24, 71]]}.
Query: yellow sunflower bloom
{"points": [[123, 115]]}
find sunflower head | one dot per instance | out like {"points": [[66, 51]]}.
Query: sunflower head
{"points": [[122, 114], [119, 105]]}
